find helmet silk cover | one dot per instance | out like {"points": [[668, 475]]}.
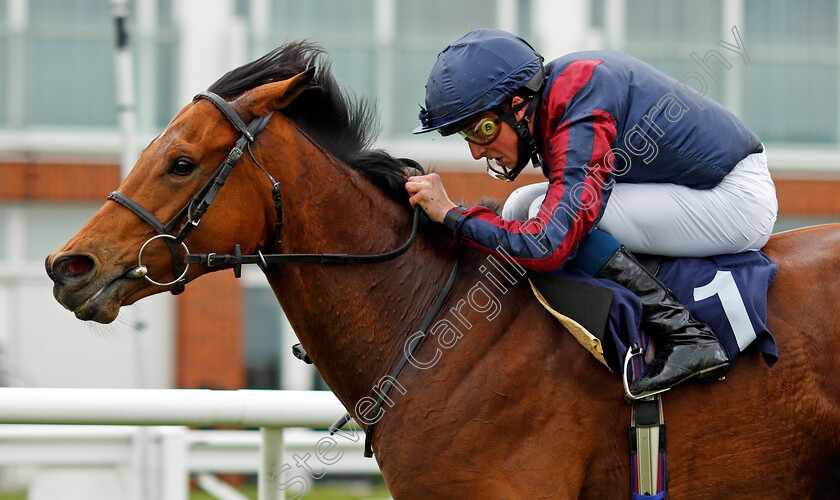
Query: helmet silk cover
{"points": [[475, 73]]}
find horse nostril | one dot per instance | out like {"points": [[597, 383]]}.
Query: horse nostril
{"points": [[77, 265], [72, 267]]}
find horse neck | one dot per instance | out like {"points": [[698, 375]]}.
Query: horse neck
{"points": [[352, 319]]}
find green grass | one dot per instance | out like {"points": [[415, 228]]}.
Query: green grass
{"points": [[330, 491]]}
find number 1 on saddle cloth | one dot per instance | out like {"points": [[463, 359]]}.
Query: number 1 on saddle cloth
{"points": [[727, 292]]}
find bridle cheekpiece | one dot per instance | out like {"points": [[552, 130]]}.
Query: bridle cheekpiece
{"points": [[195, 209]]}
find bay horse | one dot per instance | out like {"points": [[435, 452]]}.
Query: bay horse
{"points": [[513, 407]]}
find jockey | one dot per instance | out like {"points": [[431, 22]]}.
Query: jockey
{"points": [[631, 156]]}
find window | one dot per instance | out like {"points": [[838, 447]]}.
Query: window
{"points": [[793, 77], [262, 339], [668, 21], [597, 14], [57, 64], [665, 33], [69, 53], [5, 42], [268, 337], [29, 231], [383, 49], [43, 344], [57, 61], [4, 243], [794, 222], [49, 226], [788, 92], [155, 39], [344, 29]]}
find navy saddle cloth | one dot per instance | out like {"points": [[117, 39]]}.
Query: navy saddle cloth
{"points": [[727, 292]]}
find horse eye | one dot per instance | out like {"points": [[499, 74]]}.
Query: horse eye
{"points": [[181, 167]]}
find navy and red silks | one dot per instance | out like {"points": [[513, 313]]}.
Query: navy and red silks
{"points": [[608, 117]]}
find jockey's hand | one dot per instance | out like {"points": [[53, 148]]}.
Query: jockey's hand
{"points": [[427, 191]]}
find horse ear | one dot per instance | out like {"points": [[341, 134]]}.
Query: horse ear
{"points": [[273, 96]]}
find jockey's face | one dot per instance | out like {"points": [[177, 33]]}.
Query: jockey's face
{"points": [[505, 147]]}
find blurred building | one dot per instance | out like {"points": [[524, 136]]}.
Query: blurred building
{"points": [[60, 142]]}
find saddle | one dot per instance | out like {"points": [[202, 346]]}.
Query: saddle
{"points": [[582, 308], [727, 292]]}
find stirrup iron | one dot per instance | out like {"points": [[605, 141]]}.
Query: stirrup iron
{"points": [[633, 351]]}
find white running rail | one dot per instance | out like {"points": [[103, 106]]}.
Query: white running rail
{"points": [[271, 411]]}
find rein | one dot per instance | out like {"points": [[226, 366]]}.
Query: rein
{"points": [[201, 201], [407, 353], [237, 259], [198, 205]]}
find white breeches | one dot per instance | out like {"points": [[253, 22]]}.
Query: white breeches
{"points": [[735, 216]]}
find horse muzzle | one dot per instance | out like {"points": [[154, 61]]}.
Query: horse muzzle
{"points": [[81, 287]]}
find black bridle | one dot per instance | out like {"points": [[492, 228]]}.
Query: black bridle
{"points": [[201, 201], [195, 209]]}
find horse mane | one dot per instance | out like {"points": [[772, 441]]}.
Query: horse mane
{"points": [[343, 124], [494, 204]]}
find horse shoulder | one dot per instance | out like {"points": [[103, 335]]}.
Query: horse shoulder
{"points": [[513, 382]]}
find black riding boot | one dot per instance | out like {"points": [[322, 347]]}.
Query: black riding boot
{"points": [[685, 347]]}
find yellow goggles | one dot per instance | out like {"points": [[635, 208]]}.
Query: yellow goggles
{"points": [[483, 131]]}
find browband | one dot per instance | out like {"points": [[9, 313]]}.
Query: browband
{"points": [[228, 111]]}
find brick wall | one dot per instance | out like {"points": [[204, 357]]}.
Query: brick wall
{"points": [[808, 197], [57, 182], [209, 312], [210, 343], [469, 187]]}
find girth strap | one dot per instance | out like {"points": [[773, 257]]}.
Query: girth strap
{"points": [[647, 450], [647, 442]]}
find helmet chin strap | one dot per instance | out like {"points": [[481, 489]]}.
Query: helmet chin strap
{"points": [[526, 143]]}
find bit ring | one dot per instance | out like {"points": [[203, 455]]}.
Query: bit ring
{"points": [[140, 260]]}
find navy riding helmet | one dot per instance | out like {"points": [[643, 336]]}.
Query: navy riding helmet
{"points": [[477, 73]]}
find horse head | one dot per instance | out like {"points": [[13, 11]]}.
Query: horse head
{"points": [[156, 208], [301, 150]]}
